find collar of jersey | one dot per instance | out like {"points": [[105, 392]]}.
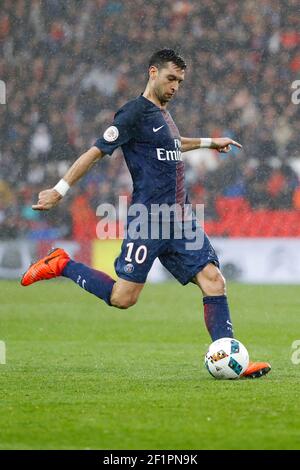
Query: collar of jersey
{"points": [[151, 102]]}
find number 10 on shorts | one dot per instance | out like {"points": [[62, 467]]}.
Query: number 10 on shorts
{"points": [[140, 253]]}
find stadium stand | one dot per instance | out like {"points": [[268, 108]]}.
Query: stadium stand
{"points": [[66, 75]]}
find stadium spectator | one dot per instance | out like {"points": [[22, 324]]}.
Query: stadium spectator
{"points": [[66, 74]]}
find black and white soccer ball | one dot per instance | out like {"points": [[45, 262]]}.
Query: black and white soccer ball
{"points": [[226, 358]]}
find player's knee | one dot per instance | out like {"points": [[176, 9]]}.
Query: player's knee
{"points": [[123, 302], [214, 283], [217, 285], [221, 284]]}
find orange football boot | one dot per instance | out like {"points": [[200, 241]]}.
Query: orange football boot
{"points": [[256, 370], [48, 267]]}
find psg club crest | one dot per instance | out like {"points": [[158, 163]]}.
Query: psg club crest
{"points": [[128, 268]]}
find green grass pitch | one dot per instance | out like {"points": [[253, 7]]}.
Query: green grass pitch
{"points": [[81, 375]]}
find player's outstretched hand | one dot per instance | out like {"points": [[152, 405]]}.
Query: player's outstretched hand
{"points": [[223, 144], [47, 199]]}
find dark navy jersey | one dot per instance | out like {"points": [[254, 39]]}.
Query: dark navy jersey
{"points": [[151, 145]]}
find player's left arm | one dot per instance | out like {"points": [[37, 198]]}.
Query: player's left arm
{"points": [[221, 144]]}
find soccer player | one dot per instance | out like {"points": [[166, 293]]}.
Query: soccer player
{"points": [[152, 147]]}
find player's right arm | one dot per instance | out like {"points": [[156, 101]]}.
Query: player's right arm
{"points": [[122, 130], [51, 197]]}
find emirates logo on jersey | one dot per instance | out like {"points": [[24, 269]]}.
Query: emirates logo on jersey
{"points": [[111, 134], [170, 155]]}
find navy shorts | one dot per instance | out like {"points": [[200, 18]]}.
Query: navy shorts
{"points": [[183, 257]]}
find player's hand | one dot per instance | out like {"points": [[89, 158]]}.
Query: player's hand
{"points": [[223, 144], [47, 199]]}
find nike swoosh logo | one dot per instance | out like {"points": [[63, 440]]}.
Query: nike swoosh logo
{"points": [[155, 130], [49, 259]]}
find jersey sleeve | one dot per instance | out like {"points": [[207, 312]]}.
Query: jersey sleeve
{"points": [[121, 131]]}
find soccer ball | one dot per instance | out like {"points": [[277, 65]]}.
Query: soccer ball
{"points": [[226, 358]]}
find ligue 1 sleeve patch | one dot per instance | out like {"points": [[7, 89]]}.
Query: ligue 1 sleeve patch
{"points": [[111, 134]]}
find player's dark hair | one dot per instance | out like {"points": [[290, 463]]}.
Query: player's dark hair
{"points": [[160, 58]]}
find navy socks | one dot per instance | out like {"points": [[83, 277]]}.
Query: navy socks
{"points": [[217, 317], [93, 281]]}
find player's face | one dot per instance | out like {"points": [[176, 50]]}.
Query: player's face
{"points": [[167, 81]]}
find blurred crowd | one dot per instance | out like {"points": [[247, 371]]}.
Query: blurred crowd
{"points": [[69, 65]]}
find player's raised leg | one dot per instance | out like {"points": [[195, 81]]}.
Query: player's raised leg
{"points": [[120, 293]]}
